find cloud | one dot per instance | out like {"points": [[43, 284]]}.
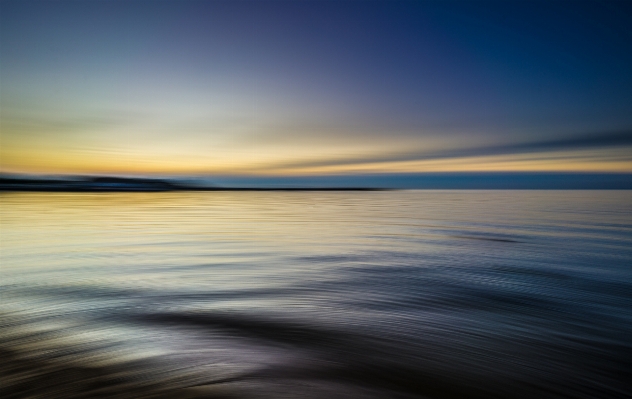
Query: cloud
{"points": [[577, 142]]}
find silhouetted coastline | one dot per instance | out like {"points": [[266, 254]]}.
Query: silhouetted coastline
{"points": [[132, 184], [368, 182]]}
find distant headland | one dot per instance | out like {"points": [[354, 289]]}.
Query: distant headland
{"points": [[366, 182], [134, 184]]}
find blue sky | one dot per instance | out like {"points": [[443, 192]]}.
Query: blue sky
{"points": [[302, 88]]}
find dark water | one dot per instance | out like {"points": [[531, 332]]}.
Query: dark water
{"points": [[431, 294]]}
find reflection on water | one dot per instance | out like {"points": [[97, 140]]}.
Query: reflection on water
{"points": [[432, 294]]}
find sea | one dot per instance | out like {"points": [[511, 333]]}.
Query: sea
{"points": [[332, 294]]}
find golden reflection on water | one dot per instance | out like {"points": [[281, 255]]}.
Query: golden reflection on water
{"points": [[101, 235]]}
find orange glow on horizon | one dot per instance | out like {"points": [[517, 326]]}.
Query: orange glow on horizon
{"points": [[280, 164]]}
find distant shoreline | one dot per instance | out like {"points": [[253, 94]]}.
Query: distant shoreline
{"points": [[130, 190], [121, 184], [421, 181]]}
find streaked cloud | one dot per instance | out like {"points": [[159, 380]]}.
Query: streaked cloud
{"points": [[602, 143]]}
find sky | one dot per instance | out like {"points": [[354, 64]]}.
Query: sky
{"points": [[315, 88]]}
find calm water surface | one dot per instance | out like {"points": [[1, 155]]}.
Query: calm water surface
{"points": [[398, 294]]}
